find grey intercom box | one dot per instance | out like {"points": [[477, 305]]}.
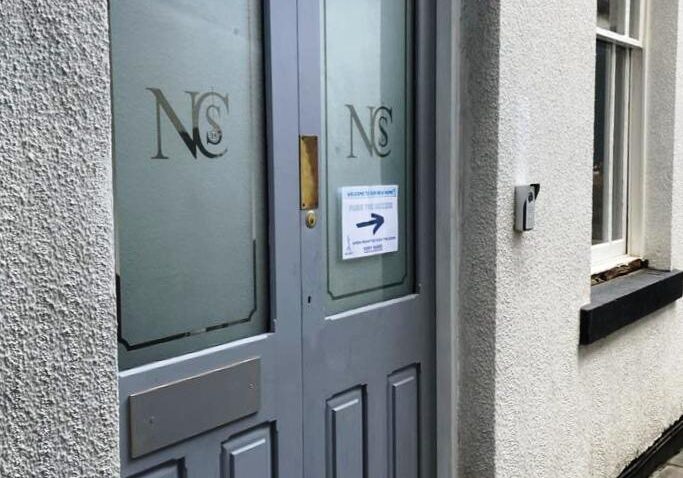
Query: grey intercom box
{"points": [[525, 206]]}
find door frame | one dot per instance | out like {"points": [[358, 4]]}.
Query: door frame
{"points": [[450, 76]]}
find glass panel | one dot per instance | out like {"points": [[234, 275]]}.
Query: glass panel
{"points": [[612, 15], [368, 149], [620, 154], [601, 141], [189, 168], [635, 19]]}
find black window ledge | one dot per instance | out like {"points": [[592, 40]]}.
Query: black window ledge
{"points": [[624, 300]]}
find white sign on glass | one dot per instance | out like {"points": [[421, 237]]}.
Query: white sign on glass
{"points": [[369, 220]]}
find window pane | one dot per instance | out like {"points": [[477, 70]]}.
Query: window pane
{"points": [[189, 175], [612, 15], [367, 129], [620, 151], [601, 142], [635, 19]]}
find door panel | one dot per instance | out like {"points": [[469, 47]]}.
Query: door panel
{"points": [[346, 432], [165, 471], [249, 455], [204, 240], [404, 423], [373, 344]]}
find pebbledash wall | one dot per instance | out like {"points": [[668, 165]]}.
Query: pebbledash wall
{"points": [[58, 384], [533, 402]]}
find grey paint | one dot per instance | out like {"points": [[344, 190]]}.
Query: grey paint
{"points": [[173, 412], [361, 348], [345, 436], [404, 431], [57, 322], [249, 455], [448, 213], [279, 350], [165, 471]]}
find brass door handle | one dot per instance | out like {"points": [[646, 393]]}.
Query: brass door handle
{"points": [[308, 173]]}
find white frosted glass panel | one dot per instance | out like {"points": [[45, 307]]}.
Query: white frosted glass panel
{"points": [[189, 165], [368, 138]]}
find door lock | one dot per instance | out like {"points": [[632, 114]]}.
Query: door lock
{"points": [[311, 219]]}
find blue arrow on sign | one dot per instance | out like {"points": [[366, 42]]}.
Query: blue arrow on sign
{"points": [[376, 221]]}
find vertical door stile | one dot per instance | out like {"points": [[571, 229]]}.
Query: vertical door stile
{"points": [[310, 68]]}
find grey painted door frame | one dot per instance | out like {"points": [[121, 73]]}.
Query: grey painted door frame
{"points": [[450, 73], [450, 77]]}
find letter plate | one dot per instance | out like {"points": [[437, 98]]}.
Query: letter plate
{"points": [[170, 413]]}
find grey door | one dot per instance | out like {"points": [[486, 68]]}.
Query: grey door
{"points": [[366, 91], [207, 232], [257, 339]]}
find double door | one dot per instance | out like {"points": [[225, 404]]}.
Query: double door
{"points": [[273, 180]]}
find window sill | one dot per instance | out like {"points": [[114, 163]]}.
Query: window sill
{"points": [[624, 300], [598, 267], [618, 270]]}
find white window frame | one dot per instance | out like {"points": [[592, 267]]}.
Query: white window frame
{"points": [[614, 253]]}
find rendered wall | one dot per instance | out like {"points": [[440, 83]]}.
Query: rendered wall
{"points": [[632, 382], [478, 199], [533, 402], [58, 385], [547, 51]]}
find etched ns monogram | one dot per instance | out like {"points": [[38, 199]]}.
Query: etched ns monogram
{"points": [[212, 115], [377, 142]]}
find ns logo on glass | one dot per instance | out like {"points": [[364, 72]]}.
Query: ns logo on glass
{"points": [[374, 134], [208, 112]]}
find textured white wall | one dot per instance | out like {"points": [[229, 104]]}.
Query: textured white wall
{"points": [[58, 386], [534, 403], [478, 246], [547, 51], [632, 382]]}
